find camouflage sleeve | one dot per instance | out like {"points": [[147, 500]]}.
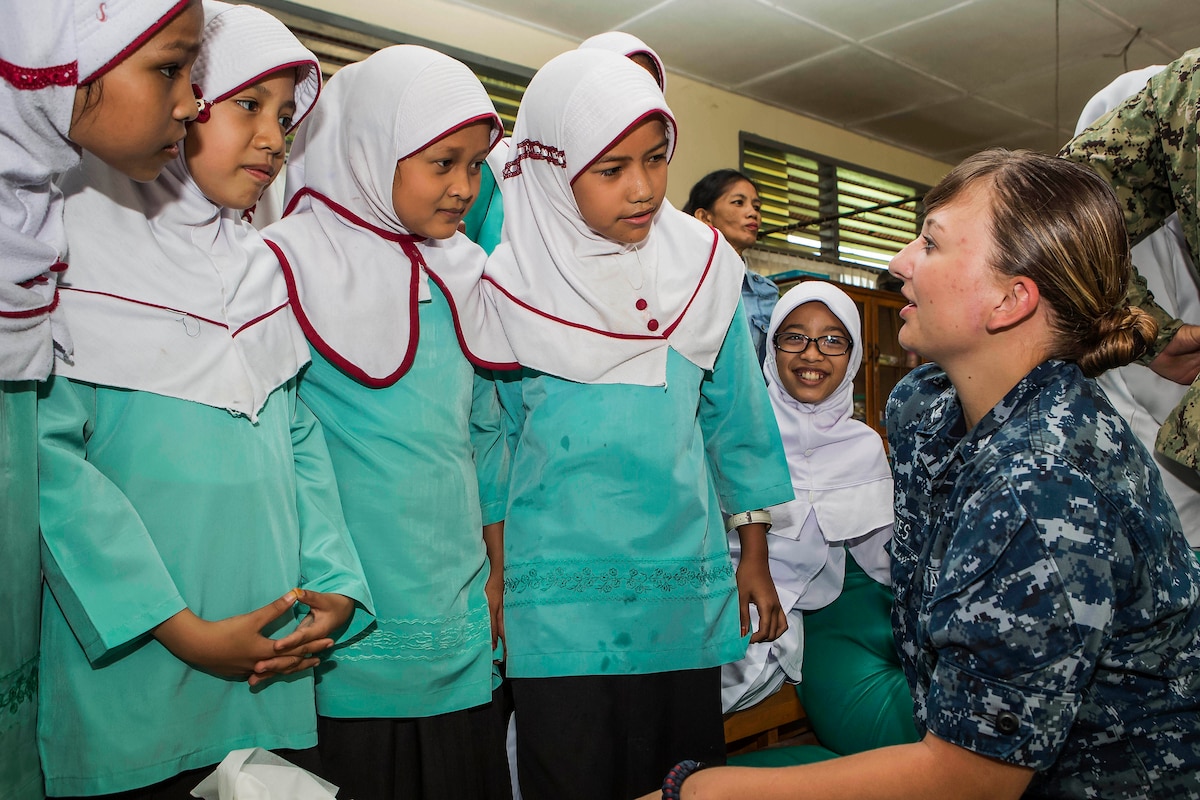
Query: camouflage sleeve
{"points": [[1020, 613], [1139, 295], [1146, 149]]}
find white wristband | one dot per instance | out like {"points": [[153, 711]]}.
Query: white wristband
{"points": [[749, 518]]}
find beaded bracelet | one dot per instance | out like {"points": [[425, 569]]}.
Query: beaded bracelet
{"points": [[673, 784], [748, 518]]}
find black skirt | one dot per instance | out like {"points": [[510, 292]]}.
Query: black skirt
{"points": [[602, 737], [456, 756]]}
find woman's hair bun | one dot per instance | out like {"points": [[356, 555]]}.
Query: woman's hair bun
{"points": [[1119, 337]]}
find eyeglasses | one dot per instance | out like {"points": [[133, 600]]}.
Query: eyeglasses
{"points": [[826, 345]]}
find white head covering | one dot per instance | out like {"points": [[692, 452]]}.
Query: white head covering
{"points": [[355, 272], [42, 58], [107, 32], [839, 470], [221, 71], [169, 293], [623, 44], [574, 303], [628, 45]]}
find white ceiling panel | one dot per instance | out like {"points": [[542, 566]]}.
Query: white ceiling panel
{"points": [[859, 23], [729, 43], [881, 87], [1181, 39], [976, 45], [1156, 18], [939, 77], [963, 123], [576, 19]]}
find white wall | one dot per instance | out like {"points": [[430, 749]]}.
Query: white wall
{"points": [[709, 119]]}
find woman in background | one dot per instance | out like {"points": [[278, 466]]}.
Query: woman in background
{"points": [[728, 201]]}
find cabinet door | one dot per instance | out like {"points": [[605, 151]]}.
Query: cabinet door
{"points": [[892, 362], [862, 381]]}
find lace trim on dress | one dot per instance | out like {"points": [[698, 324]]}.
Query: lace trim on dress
{"points": [[662, 581]]}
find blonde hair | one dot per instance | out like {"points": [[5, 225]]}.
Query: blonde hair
{"points": [[1059, 224]]}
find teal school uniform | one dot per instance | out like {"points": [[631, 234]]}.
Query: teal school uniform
{"points": [[616, 560], [421, 466], [149, 504], [20, 594]]}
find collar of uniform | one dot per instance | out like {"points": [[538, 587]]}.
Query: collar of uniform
{"points": [[945, 413]]}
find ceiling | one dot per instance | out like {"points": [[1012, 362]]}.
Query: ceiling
{"points": [[941, 78]]}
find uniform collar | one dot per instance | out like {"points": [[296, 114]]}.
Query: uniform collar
{"points": [[943, 422]]}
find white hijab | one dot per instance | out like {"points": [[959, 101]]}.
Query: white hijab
{"points": [[840, 473], [623, 44], [355, 273], [628, 45], [168, 292], [43, 56], [574, 303]]}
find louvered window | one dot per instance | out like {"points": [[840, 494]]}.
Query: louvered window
{"points": [[338, 41], [827, 210]]}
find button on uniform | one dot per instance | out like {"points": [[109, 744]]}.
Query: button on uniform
{"points": [[1007, 723]]}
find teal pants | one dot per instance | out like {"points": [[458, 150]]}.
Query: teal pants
{"points": [[854, 688]]}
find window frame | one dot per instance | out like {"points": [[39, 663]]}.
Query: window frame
{"points": [[821, 195], [505, 82]]}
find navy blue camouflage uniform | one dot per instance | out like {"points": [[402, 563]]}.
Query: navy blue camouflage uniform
{"points": [[1047, 605]]}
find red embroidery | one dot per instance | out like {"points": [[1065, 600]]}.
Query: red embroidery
{"points": [[102, 16], [34, 78], [535, 150]]}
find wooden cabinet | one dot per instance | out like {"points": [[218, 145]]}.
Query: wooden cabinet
{"points": [[885, 362]]}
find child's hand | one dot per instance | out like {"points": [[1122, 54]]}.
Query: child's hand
{"points": [[494, 589], [493, 541], [232, 646], [755, 586], [298, 650]]}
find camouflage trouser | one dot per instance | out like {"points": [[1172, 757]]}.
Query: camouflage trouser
{"points": [[1179, 437]]}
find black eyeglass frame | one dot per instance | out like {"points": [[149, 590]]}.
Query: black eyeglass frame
{"points": [[813, 340]]}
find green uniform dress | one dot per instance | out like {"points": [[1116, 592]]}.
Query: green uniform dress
{"points": [[421, 466], [20, 597], [616, 560], [150, 504]]}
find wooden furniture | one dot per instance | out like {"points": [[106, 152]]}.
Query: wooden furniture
{"points": [[885, 362], [779, 718]]}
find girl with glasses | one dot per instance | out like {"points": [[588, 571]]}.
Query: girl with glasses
{"points": [[827, 547]]}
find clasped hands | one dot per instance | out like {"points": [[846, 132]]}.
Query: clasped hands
{"points": [[236, 647]]}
